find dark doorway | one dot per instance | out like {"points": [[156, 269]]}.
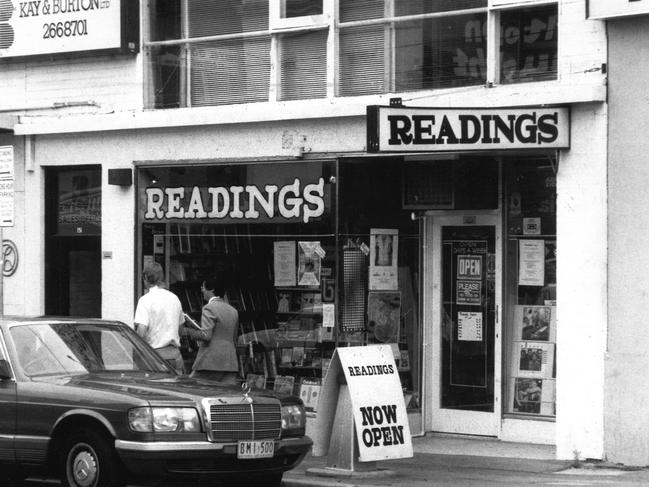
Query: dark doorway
{"points": [[73, 241]]}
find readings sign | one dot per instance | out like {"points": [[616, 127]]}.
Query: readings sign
{"points": [[379, 410], [419, 129]]}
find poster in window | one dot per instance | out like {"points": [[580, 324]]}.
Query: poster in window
{"points": [[531, 262], [310, 393], [309, 261], [384, 250], [384, 315], [284, 261], [535, 323], [534, 396], [328, 315], [534, 359], [284, 384], [256, 381]]}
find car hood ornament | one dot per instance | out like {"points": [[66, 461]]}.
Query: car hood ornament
{"points": [[245, 388]]}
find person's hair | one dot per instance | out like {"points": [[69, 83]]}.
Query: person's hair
{"points": [[153, 274], [214, 285]]}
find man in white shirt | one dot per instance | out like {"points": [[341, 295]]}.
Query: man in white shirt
{"points": [[158, 317]]}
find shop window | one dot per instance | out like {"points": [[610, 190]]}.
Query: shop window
{"points": [[304, 276], [379, 262], [531, 282], [528, 44], [267, 230]]}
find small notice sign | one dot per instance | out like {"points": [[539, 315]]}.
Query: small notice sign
{"points": [[6, 162], [469, 326], [6, 203], [469, 292]]}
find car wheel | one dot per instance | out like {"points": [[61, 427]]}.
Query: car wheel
{"points": [[89, 460]]}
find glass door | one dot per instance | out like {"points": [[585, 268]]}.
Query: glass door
{"points": [[464, 294]]}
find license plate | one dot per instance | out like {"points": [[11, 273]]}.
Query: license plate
{"points": [[256, 449]]}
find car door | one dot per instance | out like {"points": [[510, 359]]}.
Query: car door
{"points": [[7, 411]]}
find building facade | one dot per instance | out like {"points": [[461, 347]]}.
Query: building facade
{"points": [[625, 431], [429, 175]]}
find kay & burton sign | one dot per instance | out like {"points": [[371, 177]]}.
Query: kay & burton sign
{"points": [[58, 26], [414, 129]]}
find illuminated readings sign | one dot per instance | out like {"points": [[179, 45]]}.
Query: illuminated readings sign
{"points": [[405, 129], [37, 27]]}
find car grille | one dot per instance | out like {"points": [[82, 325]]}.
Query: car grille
{"points": [[232, 422]]}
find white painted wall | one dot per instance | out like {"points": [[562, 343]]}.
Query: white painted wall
{"points": [[122, 149], [581, 286], [627, 363], [113, 82]]}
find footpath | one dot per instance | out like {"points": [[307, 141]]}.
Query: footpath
{"points": [[446, 461]]}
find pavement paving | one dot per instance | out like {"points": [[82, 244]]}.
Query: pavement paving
{"points": [[498, 464], [441, 460]]}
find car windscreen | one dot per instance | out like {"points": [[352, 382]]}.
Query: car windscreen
{"points": [[80, 348]]}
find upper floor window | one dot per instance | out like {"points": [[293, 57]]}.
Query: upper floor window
{"points": [[300, 8], [220, 52], [528, 44]]}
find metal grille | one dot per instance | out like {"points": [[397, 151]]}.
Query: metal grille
{"points": [[232, 422]]}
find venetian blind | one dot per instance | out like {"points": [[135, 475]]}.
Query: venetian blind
{"points": [[234, 70], [363, 50], [303, 65], [6, 31]]}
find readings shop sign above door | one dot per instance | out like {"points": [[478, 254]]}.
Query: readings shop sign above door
{"points": [[414, 129]]}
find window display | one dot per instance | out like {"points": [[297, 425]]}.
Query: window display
{"points": [[531, 286], [304, 276]]}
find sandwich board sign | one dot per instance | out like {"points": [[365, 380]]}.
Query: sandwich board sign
{"points": [[378, 408]]}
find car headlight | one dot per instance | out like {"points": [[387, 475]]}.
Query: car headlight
{"points": [[293, 420], [163, 420]]}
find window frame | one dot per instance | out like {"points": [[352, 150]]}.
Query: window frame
{"points": [[329, 20], [277, 22]]}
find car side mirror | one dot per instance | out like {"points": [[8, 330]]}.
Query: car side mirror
{"points": [[5, 370]]}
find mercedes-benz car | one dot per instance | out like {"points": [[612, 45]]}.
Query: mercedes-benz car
{"points": [[89, 402]]}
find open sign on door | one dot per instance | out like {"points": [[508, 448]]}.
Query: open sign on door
{"points": [[469, 267]]}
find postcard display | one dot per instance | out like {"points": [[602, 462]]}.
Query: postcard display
{"points": [[286, 305], [304, 291], [532, 290]]}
